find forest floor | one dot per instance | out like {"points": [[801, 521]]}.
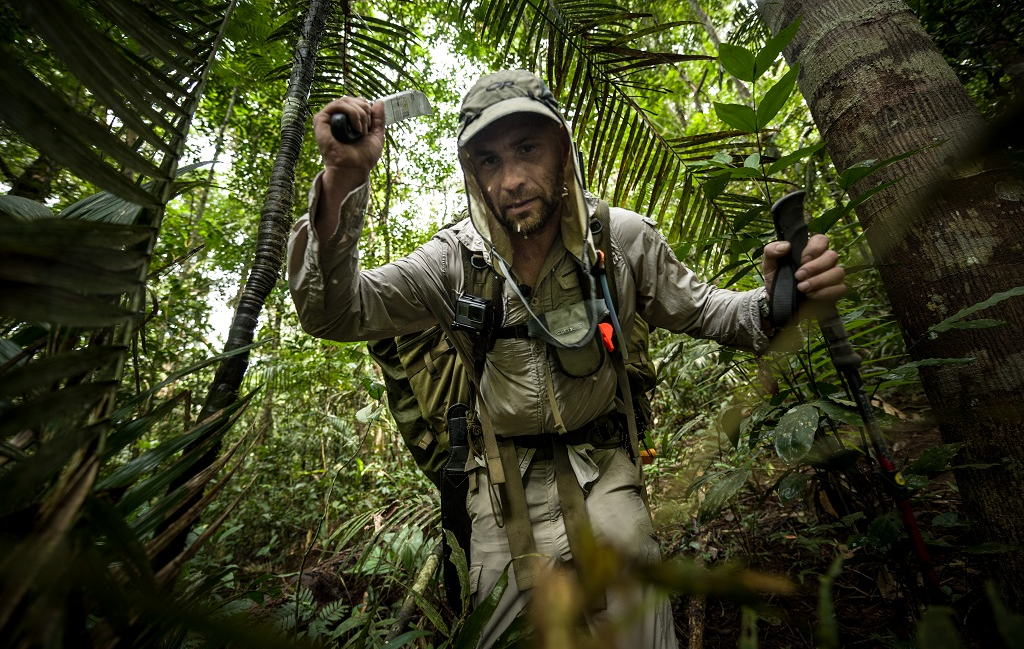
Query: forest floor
{"points": [[876, 597], [873, 604]]}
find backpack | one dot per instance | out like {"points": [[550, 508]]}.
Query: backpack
{"points": [[423, 375]]}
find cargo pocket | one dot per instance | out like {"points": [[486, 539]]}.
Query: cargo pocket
{"points": [[474, 582]]}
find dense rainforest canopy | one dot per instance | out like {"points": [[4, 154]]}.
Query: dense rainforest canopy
{"points": [[181, 465]]}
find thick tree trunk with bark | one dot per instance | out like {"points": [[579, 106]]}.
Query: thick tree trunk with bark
{"points": [[947, 236]]}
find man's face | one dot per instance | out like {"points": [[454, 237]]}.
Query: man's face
{"points": [[519, 163]]}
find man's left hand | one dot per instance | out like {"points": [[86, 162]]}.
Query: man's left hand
{"points": [[819, 276]]}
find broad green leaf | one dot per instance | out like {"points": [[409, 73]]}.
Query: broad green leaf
{"points": [[766, 56], [730, 424], [743, 243], [789, 159], [737, 61], [715, 185], [776, 98], [749, 216], [745, 172], [948, 323], [934, 459], [458, 557], [884, 530], [792, 487], [827, 631], [720, 493], [823, 223], [737, 116], [937, 630], [795, 433], [406, 638], [980, 323], [373, 388], [481, 615]]}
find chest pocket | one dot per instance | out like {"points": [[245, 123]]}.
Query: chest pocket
{"points": [[572, 308]]}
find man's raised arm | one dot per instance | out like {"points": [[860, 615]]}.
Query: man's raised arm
{"points": [[346, 166]]}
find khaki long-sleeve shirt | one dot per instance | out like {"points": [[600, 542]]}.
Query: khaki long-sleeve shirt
{"points": [[337, 300]]}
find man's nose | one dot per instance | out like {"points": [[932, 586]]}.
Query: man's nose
{"points": [[513, 176]]}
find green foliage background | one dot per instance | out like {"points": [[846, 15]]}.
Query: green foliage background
{"points": [[709, 138]]}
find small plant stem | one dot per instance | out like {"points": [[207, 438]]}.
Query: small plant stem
{"points": [[408, 610]]}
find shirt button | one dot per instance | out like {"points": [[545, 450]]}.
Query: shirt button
{"points": [[534, 302]]}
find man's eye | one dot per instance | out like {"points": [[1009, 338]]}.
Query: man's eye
{"points": [[528, 148], [489, 161]]}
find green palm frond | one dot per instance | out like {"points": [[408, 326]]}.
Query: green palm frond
{"points": [[142, 71], [367, 56], [71, 290], [594, 57]]}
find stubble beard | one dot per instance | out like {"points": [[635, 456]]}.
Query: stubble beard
{"points": [[536, 220]]}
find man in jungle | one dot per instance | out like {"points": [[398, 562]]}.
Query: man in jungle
{"points": [[540, 397]]}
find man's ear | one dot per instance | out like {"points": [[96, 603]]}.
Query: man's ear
{"points": [[563, 139]]}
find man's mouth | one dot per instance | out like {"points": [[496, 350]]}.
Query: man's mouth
{"points": [[519, 205]]}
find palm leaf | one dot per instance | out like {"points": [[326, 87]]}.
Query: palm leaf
{"points": [[71, 291]]}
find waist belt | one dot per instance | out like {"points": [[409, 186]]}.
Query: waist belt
{"points": [[603, 432]]}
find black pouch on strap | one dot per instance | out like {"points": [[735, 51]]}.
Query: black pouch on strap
{"points": [[454, 489]]}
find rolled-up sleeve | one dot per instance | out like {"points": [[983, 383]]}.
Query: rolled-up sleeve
{"points": [[334, 299], [671, 296]]}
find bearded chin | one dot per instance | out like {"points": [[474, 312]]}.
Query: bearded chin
{"points": [[531, 225]]}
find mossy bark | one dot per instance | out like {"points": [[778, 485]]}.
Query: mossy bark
{"points": [[947, 235]]}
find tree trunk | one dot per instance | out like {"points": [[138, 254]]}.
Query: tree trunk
{"points": [[275, 222], [947, 236]]}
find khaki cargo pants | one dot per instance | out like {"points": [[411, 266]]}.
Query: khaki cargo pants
{"points": [[642, 617]]}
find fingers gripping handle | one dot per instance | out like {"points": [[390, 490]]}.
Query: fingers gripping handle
{"points": [[788, 214], [342, 130]]}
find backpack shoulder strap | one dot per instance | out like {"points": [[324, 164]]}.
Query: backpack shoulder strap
{"points": [[480, 280], [600, 229]]}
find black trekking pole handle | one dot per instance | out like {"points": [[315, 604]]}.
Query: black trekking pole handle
{"points": [[784, 302]]}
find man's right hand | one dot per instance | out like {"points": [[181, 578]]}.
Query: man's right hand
{"points": [[346, 166]]}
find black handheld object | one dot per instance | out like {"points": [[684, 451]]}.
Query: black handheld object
{"points": [[454, 489], [785, 299], [342, 130]]}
